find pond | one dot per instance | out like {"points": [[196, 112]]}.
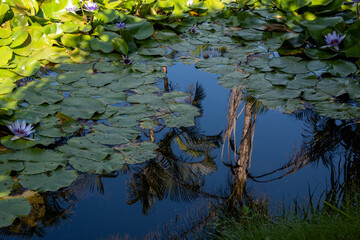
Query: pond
{"points": [[98, 206], [134, 120]]}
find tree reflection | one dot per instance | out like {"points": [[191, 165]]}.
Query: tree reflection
{"points": [[240, 160], [50, 209], [184, 159], [336, 144]]}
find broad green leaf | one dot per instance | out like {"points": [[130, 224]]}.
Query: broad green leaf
{"points": [[48, 182], [11, 208], [109, 15], [97, 44], [27, 67], [19, 36], [136, 153], [17, 144], [69, 27], [81, 147], [120, 45], [76, 40], [6, 183], [6, 86], [139, 28], [3, 10], [5, 33], [315, 53], [81, 107]]}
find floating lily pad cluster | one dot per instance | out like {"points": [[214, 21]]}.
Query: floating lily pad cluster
{"points": [[86, 122], [35, 33], [304, 76]]}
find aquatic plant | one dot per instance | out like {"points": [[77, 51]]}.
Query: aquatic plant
{"points": [[91, 6], [22, 130], [72, 8], [126, 60], [333, 40], [194, 30], [121, 25]]}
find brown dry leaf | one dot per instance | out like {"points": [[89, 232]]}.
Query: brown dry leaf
{"points": [[277, 28]]}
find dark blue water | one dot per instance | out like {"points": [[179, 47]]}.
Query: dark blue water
{"points": [[277, 135]]}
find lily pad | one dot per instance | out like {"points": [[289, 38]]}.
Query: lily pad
{"points": [[136, 153], [11, 208], [6, 183], [81, 107], [16, 144], [48, 182]]}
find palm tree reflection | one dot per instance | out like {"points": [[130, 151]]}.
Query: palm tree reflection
{"points": [[184, 159], [50, 209]]}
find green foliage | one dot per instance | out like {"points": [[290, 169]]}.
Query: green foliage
{"points": [[337, 224], [12, 208]]}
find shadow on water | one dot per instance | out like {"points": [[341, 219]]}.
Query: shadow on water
{"points": [[182, 171]]}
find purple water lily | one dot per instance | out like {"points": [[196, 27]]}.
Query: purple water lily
{"points": [[194, 30], [21, 130], [333, 40], [126, 60], [72, 8], [91, 6], [121, 25]]}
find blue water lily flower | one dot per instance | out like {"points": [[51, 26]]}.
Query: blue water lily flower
{"points": [[126, 60], [194, 30], [121, 25], [21, 130], [333, 40], [72, 8], [91, 6]]}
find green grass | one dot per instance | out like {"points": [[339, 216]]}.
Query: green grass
{"points": [[330, 224]]}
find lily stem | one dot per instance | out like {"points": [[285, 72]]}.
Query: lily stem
{"points": [[83, 13]]}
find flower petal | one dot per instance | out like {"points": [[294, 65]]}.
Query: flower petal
{"points": [[14, 138]]}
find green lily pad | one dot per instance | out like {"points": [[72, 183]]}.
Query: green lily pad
{"points": [[6, 86], [6, 183], [112, 135], [6, 54], [316, 53], [81, 107], [35, 155], [136, 153], [11, 208], [153, 51], [17, 144], [116, 162], [101, 79], [278, 78], [69, 27], [120, 45], [27, 67], [140, 29], [19, 36], [97, 44], [5, 33], [48, 182], [81, 147]]}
